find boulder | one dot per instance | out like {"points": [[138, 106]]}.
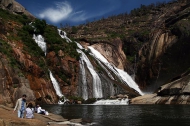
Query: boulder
{"points": [[176, 92], [7, 3]]}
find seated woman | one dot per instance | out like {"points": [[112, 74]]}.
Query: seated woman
{"points": [[29, 111], [40, 110]]}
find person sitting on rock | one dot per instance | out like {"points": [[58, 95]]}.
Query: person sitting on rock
{"points": [[29, 111], [40, 110]]}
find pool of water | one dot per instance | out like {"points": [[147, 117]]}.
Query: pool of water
{"points": [[126, 115]]}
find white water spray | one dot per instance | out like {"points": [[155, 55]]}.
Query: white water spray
{"points": [[112, 102]]}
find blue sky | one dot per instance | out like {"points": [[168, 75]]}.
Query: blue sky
{"points": [[75, 12]]}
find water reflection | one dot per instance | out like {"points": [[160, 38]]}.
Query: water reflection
{"points": [[126, 115]]}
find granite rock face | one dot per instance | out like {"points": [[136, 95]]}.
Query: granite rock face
{"points": [[14, 7], [175, 92]]}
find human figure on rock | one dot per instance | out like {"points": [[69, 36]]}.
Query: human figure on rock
{"points": [[41, 111], [29, 111], [20, 106]]}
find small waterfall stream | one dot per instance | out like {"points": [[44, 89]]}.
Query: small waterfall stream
{"points": [[57, 88], [63, 35], [40, 41], [55, 85]]}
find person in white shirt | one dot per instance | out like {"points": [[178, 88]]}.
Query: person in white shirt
{"points": [[29, 111], [40, 110]]}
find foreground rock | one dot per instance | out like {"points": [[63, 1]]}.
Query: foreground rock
{"points": [[176, 92], [8, 118]]}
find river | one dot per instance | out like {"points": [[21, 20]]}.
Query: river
{"points": [[126, 115]]}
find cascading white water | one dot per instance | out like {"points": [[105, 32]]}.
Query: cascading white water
{"points": [[112, 102], [40, 41], [55, 84], [107, 71], [57, 88], [124, 76], [63, 35], [84, 84], [97, 86]]}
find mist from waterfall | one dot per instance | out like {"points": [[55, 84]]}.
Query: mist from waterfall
{"points": [[112, 102], [97, 86], [40, 41], [124, 76]]}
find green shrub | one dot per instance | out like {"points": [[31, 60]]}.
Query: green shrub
{"points": [[6, 49], [75, 98], [40, 26]]}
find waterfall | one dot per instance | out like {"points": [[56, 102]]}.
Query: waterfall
{"points": [[84, 84], [57, 88], [107, 71], [97, 86], [124, 76], [63, 35], [55, 84], [40, 41]]}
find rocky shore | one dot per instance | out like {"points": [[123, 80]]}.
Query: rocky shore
{"points": [[8, 118], [175, 92]]}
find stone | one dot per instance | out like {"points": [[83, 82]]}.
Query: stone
{"points": [[7, 3], [186, 90], [76, 120]]}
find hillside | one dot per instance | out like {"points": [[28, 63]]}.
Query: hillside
{"points": [[150, 43], [33, 52]]}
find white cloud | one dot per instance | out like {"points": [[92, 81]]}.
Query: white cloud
{"points": [[65, 11], [60, 12]]}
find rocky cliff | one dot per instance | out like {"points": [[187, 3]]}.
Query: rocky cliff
{"points": [[150, 43], [175, 92], [14, 7]]}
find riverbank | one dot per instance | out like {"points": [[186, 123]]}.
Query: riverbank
{"points": [[8, 118]]}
